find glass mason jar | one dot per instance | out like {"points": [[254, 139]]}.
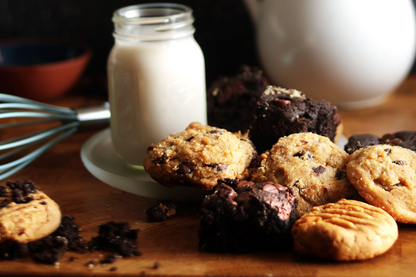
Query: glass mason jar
{"points": [[156, 77]]}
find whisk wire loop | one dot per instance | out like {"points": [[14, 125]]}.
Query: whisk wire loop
{"points": [[30, 112], [37, 137], [17, 165]]}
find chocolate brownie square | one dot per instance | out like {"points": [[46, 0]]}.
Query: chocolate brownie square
{"points": [[247, 218], [231, 100], [281, 112]]}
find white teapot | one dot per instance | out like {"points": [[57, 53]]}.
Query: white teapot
{"points": [[349, 52]]}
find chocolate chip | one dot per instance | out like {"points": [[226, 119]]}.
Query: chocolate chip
{"points": [[340, 174], [43, 203], [319, 170], [388, 151], [184, 169], [399, 162], [281, 102], [189, 139], [216, 132], [221, 167], [162, 159], [304, 155]]}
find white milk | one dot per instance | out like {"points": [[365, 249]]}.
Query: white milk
{"points": [[156, 88]]}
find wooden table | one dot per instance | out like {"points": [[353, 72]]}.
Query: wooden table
{"points": [[61, 174]]}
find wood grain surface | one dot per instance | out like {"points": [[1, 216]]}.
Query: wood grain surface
{"points": [[173, 244]]}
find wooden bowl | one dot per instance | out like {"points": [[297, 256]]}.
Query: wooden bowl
{"points": [[41, 68]]}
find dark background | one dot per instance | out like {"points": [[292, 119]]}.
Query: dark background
{"points": [[223, 28]]}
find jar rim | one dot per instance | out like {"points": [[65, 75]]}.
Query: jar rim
{"points": [[153, 13]]}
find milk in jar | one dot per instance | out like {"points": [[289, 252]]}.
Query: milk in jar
{"points": [[156, 77]]}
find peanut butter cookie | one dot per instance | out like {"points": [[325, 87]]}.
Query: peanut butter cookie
{"points": [[345, 231], [200, 156], [385, 176], [26, 214], [311, 164]]}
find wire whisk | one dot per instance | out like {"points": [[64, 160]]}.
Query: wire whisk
{"points": [[17, 112]]}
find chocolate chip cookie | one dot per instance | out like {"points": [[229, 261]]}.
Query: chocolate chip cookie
{"points": [[311, 164], [385, 176], [200, 156], [345, 231]]}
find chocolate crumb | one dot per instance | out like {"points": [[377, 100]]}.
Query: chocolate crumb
{"points": [[12, 250], [48, 250], [161, 210], [110, 258], [114, 268], [156, 265], [69, 230]]}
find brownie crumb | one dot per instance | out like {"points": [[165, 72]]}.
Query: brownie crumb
{"points": [[161, 210], [71, 259], [110, 258], [12, 250], [48, 250], [116, 237], [156, 265]]}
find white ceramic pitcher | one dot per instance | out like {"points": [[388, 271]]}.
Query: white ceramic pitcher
{"points": [[349, 52]]}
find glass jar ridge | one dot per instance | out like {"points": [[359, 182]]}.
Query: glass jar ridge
{"points": [[149, 22]]}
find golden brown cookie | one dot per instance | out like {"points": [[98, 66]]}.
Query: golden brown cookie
{"points": [[345, 231], [385, 176], [26, 214], [312, 165], [199, 156]]}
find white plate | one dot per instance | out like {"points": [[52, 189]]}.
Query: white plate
{"points": [[101, 159]]}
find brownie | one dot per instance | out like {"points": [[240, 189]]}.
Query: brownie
{"points": [[248, 217], [231, 100], [116, 237], [405, 139], [161, 210], [281, 112], [356, 142]]}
